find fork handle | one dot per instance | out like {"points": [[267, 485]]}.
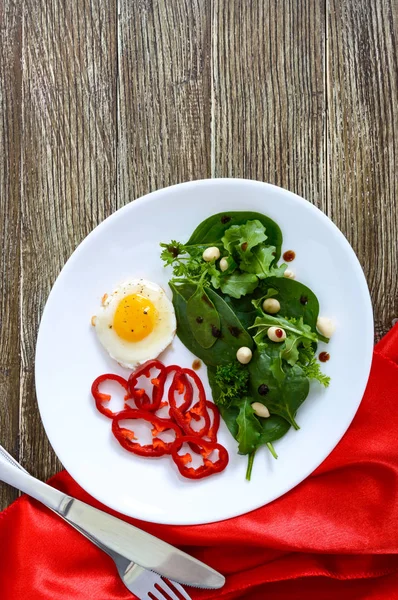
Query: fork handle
{"points": [[33, 487]]}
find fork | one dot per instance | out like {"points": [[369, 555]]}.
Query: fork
{"points": [[143, 583]]}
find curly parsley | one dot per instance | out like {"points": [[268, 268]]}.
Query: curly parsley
{"points": [[233, 381], [312, 370]]}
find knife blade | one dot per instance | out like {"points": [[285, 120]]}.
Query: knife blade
{"points": [[127, 540]]}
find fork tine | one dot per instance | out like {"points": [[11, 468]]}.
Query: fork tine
{"points": [[164, 587], [180, 589], [155, 594]]}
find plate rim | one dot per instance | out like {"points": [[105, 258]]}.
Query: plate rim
{"points": [[364, 292]]}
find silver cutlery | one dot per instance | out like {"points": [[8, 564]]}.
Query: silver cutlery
{"points": [[130, 547], [137, 580]]}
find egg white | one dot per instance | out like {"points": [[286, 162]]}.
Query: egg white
{"points": [[131, 354]]}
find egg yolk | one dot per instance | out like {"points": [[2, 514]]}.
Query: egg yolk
{"points": [[135, 318]]}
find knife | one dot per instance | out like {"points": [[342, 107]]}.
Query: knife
{"points": [[131, 542]]}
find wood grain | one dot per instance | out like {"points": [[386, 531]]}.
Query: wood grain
{"points": [[69, 166], [104, 103], [269, 97], [362, 138], [164, 100], [10, 164]]}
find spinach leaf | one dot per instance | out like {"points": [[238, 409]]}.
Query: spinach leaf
{"points": [[243, 307], [212, 229], [238, 284], [229, 414], [296, 299], [273, 429], [232, 334], [249, 428], [203, 318], [285, 396]]}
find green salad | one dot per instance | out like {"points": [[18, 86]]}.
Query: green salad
{"points": [[253, 327]]}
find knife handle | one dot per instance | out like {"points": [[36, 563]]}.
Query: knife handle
{"points": [[31, 486]]}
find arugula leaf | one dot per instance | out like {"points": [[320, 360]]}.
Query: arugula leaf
{"points": [[249, 428], [260, 262], [299, 334], [240, 239], [271, 293], [238, 284], [295, 326], [232, 265], [276, 367], [203, 318], [306, 352], [245, 243], [290, 352]]}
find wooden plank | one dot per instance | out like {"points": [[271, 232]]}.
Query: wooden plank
{"points": [[10, 163], [268, 89], [363, 137], [164, 101], [69, 173]]}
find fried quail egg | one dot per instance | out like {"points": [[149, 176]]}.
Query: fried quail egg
{"points": [[136, 322]]}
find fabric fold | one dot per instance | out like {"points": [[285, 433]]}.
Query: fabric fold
{"points": [[334, 535]]}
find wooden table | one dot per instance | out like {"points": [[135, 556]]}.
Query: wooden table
{"points": [[102, 101]]}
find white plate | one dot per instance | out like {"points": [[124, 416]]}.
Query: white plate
{"points": [[69, 358]]}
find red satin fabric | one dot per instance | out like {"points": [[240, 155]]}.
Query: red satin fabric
{"points": [[333, 536]]}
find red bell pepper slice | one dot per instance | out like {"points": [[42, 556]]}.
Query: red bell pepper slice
{"points": [[209, 467], [196, 412], [199, 385], [214, 427], [211, 435], [140, 396], [100, 398], [180, 384], [126, 437]]}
